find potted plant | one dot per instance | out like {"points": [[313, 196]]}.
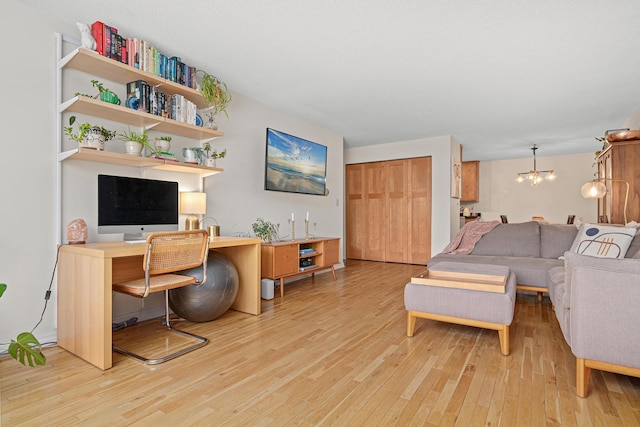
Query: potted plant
{"points": [[88, 135], [162, 144], [104, 94], [217, 94], [265, 230], [211, 154], [136, 142], [25, 348]]}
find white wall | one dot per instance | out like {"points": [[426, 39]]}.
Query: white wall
{"points": [[501, 194], [444, 209], [28, 234]]}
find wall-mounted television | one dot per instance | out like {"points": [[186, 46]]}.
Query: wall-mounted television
{"points": [[294, 165], [134, 206]]}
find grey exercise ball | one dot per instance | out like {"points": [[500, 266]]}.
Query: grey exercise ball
{"points": [[210, 300]]}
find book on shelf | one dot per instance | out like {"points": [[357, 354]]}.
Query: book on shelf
{"points": [[165, 155], [97, 31], [307, 251], [308, 267]]}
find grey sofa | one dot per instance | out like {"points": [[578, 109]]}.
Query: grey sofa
{"points": [[596, 300], [529, 249]]}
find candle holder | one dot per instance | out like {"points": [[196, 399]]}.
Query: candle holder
{"points": [[315, 232], [306, 229], [293, 229]]}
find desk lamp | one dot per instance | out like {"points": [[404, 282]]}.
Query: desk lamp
{"points": [[192, 204]]}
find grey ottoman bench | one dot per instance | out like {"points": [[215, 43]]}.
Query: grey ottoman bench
{"points": [[480, 308]]}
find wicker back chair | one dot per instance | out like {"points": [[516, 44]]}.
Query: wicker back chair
{"points": [[167, 254]]}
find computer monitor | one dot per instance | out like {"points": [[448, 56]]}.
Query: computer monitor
{"points": [[134, 206]]}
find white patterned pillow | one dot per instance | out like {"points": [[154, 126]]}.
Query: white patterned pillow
{"points": [[603, 241]]}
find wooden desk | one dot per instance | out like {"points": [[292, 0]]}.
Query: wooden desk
{"points": [[86, 273]]}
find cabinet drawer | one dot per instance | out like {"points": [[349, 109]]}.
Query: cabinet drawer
{"points": [[279, 261], [331, 252]]}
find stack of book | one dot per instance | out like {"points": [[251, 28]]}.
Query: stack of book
{"points": [[165, 155], [145, 97], [140, 54]]}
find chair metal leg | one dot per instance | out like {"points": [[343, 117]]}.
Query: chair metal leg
{"points": [[201, 341]]}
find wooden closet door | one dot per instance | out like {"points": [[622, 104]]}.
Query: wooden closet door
{"points": [[354, 216], [397, 208], [419, 189], [375, 211]]}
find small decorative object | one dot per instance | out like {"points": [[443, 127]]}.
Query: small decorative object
{"points": [[163, 143], [306, 229], [86, 39], [217, 95], [210, 155], [104, 94], [265, 230], [456, 177], [189, 155], [90, 136], [77, 232], [292, 221], [135, 143]]}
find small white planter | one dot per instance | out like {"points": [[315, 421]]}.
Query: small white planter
{"points": [[162, 145], [133, 148], [93, 139]]}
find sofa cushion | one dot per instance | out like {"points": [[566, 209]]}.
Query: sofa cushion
{"points": [[555, 280], [634, 247], [603, 241], [556, 239], [515, 240], [572, 260], [529, 271]]}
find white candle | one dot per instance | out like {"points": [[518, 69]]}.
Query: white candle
{"points": [[292, 217], [307, 216]]}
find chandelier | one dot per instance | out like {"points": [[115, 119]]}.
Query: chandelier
{"points": [[535, 177]]}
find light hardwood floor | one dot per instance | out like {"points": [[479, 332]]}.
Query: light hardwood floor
{"points": [[331, 354]]}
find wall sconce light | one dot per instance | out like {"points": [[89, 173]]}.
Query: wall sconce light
{"points": [[193, 203]]}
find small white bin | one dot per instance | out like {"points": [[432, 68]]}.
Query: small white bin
{"points": [[266, 288]]}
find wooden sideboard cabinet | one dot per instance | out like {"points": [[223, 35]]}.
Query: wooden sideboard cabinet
{"points": [[619, 162], [470, 182], [285, 259]]}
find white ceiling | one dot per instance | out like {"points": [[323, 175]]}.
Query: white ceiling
{"points": [[499, 76]]}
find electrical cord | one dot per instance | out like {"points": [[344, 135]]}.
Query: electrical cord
{"points": [[122, 325], [47, 295]]}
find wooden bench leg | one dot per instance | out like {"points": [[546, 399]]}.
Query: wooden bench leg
{"points": [[411, 323], [583, 374], [503, 334]]}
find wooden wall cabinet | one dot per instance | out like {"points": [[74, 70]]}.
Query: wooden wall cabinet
{"points": [[620, 161], [470, 182], [388, 211], [286, 259]]}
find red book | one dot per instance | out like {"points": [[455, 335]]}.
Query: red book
{"points": [[97, 31]]}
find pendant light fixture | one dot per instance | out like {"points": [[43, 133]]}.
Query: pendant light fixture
{"points": [[534, 176]]}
